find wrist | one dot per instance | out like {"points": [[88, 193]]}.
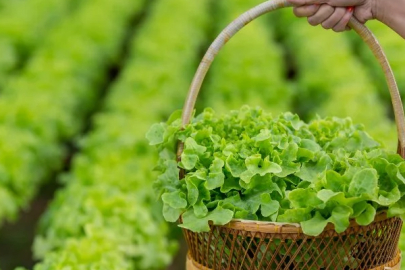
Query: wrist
{"points": [[391, 13], [378, 10]]}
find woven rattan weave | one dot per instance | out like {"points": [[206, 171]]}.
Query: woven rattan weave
{"points": [[254, 246], [247, 245], [393, 265]]}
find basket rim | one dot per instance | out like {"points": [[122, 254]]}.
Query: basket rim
{"points": [[289, 228]]}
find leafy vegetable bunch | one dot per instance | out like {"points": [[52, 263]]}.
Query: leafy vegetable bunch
{"points": [[249, 165]]}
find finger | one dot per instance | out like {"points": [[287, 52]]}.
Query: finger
{"points": [[362, 16], [334, 19], [345, 3], [324, 12], [306, 11], [306, 2], [342, 24], [336, 3]]}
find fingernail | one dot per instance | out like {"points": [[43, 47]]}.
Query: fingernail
{"points": [[350, 9]]}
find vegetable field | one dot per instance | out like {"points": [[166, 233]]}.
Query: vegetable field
{"points": [[81, 83]]}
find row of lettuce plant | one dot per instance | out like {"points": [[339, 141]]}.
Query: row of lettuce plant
{"points": [[107, 216], [48, 103], [332, 81], [250, 68], [23, 26]]}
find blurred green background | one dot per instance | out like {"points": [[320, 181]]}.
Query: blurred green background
{"points": [[82, 81]]}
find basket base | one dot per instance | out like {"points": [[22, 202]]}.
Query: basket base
{"points": [[393, 265]]}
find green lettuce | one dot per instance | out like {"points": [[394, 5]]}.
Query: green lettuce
{"points": [[250, 165]]}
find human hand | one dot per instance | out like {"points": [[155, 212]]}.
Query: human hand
{"points": [[389, 12], [364, 9], [329, 17]]}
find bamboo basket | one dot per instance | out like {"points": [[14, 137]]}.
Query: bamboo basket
{"points": [[253, 245]]}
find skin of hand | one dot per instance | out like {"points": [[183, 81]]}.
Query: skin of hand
{"points": [[389, 12], [329, 17]]}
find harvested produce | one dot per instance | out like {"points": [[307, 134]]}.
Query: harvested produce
{"points": [[250, 165]]}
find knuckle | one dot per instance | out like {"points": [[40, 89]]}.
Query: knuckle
{"points": [[360, 15], [341, 11], [330, 8]]}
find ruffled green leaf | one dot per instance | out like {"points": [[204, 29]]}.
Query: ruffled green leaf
{"points": [[256, 165], [311, 170], [364, 183], [304, 198], [219, 216], [175, 199], [295, 215], [234, 166], [216, 176], [155, 135], [340, 217], [191, 153], [171, 214], [315, 225], [268, 206], [367, 217]]}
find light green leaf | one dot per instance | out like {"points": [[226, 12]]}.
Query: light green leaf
{"points": [[234, 166], [304, 198], [188, 159], [314, 226], [200, 210], [334, 181], [389, 198], [264, 135], [155, 134], [310, 145], [367, 217], [397, 209], [171, 214], [169, 180], [295, 215], [359, 208], [326, 194], [216, 177], [219, 216], [340, 218], [191, 153], [310, 171], [231, 183], [192, 190], [246, 176], [256, 165], [364, 183], [268, 206], [175, 199]]}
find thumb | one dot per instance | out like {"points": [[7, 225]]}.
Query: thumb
{"points": [[334, 3]]}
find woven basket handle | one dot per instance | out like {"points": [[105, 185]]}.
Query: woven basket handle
{"points": [[271, 5]]}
